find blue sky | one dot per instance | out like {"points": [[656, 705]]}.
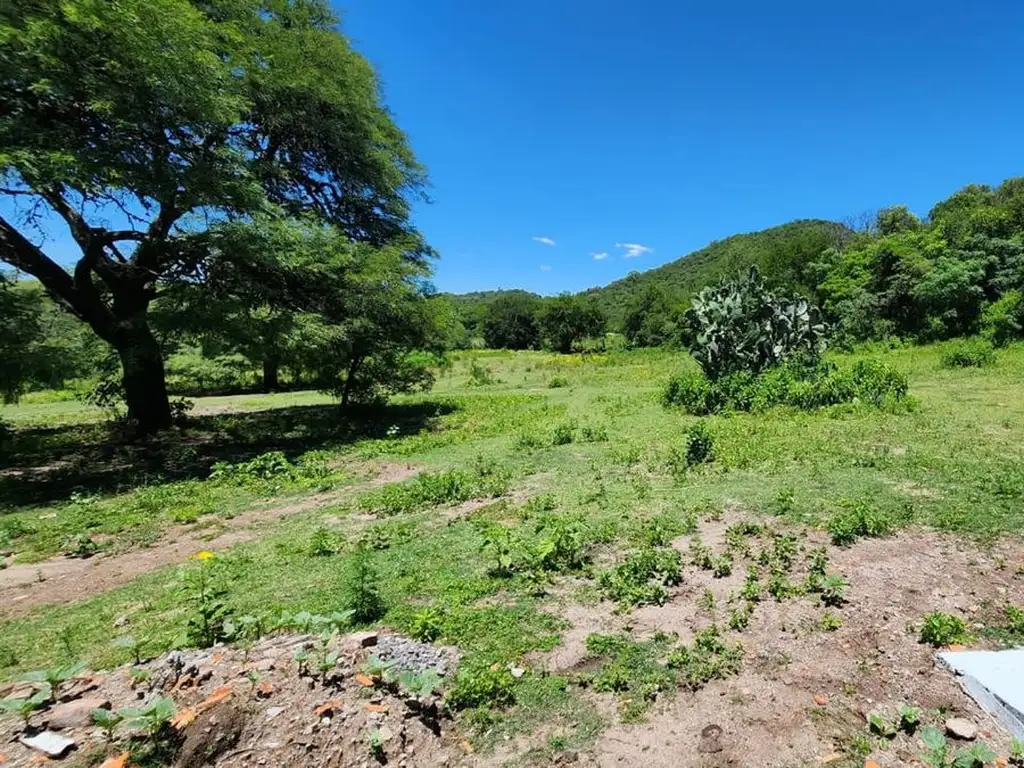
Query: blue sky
{"points": [[670, 124], [570, 142]]}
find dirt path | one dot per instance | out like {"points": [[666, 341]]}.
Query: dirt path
{"points": [[69, 580]]}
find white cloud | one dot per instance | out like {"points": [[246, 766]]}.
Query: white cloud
{"points": [[545, 267], [634, 249], [544, 240], [600, 255]]}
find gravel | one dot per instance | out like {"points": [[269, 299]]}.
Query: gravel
{"points": [[412, 656]]}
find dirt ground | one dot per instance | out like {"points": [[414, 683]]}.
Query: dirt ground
{"points": [[68, 580], [803, 694]]}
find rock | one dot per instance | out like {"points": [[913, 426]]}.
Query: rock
{"points": [[273, 712], [959, 728], [710, 740], [210, 735], [263, 665], [517, 672], [122, 621], [366, 639], [74, 714], [49, 743]]}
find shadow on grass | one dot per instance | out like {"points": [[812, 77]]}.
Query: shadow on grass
{"points": [[46, 464]]}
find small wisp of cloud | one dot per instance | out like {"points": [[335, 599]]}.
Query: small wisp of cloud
{"points": [[544, 240], [600, 255], [545, 267], [633, 250]]}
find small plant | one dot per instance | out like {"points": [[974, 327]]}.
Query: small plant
{"points": [[779, 586], [25, 707], [700, 554], [641, 579], [108, 721], [700, 446], [941, 629], [481, 685], [203, 591], [362, 596], [722, 566], [376, 743], [558, 382], [830, 622], [739, 617], [937, 753], [152, 718], [591, 434], [499, 547], [54, 677], [321, 542], [879, 726], [427, 625], [751, 591], [859, 519], [78, 545], [709, 658], [833, 590], [910, 719], [978, 755], [1016, 752], [633, 669], [706, 602], [562, 434], [132, 645], [480, 375]]}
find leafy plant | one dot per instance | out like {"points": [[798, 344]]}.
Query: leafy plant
{"points": [[879, 726], [641, 579], [910, 718], [321, 542], [833, 590], [633, 669], [700, 445], [830, 622], [557, 382], [108, 721], [739, 617], [973, 353], [427, 625], [701, 555], [54, 677], [941, 629], [859, 519], [26, 706], [152, 718], [708, 658], [79, 545], [722, 566], [362, 595], [562, 434], [479, 685], [706, 602], [203, 591]]}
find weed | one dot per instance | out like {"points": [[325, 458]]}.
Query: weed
{"points": [[739, 617], [431, 489], [562, 434], [830, 622], [879, 726], [427, 625], [558, 382], [660, 530], [707, 659], [55, 677], [376, 744], [833, 590], [706, 601], [779, 586], [937, 753], [910, 719], [942, 629], [973, 353], [203, 592], [859, 519], [107, 720], [751, 591], [25, 707], [385, 535], [701, 555], [478, 685], [722, 566], [641, 579], [700, 446], [480, 375], [362, 596], [321, 542], [1016, 752], [78, 545], [152, 718], [132, 645], [593, 434], [631, 669]]}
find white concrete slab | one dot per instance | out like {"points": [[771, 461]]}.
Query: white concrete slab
{"points": [[994, 679]]}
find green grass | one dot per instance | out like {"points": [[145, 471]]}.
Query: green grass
{"points": [[598, 451]]}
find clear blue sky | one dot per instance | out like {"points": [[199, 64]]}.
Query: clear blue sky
{"points": [[643, 130], [671, 124]]}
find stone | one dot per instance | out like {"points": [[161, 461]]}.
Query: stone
{"points": [[517, 672], [273, 712], [263, 665], [74, 714], [366, 639], [122, 621], [710, 740], [959, 728], [49, 743]]}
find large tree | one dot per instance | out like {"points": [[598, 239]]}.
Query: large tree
{"points": [[147, 125]]}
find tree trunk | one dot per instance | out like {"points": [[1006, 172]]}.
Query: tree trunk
{"points": [[271, 378], [145, 386], [346, 393]]}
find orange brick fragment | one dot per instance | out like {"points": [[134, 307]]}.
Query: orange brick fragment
{"points": [[821, 700], [184, 718], [871, 764], [466, 746], [376, 708], [264, 689], [334, 705], [364, 680], [117, 761]]}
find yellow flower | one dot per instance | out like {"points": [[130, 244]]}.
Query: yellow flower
{"points": [[204, 555]]}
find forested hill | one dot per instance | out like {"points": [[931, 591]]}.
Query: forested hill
{"points": [[781, 253], [777, 252]]}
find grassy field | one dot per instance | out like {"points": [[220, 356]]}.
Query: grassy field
{"points": [[571, 453]]}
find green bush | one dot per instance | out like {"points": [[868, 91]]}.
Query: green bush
{"points": [[431, 489], [941, 629], [973, 353], [858, 520], [641, 579], [795, 384], [557, 382], [700, 446], [1003, 321]]}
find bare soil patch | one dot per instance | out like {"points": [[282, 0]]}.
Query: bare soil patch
{"points": [[803, 694], [68, 580]]}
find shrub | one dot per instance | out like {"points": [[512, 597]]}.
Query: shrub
{"points": [[557, 382], [709, 658], [431, 489], [478, 685], [973, 353], [362, 595], [1003, 320], [562, 434], [700, 446], [795, 384], [859, 519], [941, 629]]}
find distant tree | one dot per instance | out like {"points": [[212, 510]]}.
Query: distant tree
{"points": [[566, 320], [510, 322], [186, 117], [653, 320], [896, 219]]}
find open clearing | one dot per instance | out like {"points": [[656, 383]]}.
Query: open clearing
{"points": [[505, 544]]}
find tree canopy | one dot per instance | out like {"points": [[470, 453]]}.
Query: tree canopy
{"points": [[182, 122]]}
